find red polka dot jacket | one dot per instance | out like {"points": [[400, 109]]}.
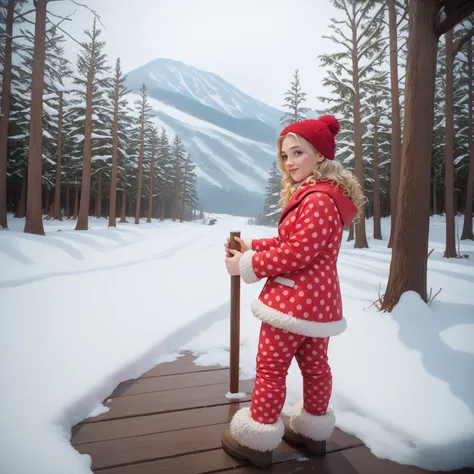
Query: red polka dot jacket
{"points": [[302, 293]]}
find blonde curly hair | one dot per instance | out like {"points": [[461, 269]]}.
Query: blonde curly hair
{"points": [[328, 170]]}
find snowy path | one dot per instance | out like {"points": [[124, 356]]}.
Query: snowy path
{"points": [[82, 312]]}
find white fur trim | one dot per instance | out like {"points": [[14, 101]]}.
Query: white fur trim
{"points": [[246, 268], [254, 435], [317, 428], [248, 243], [298, 326]]}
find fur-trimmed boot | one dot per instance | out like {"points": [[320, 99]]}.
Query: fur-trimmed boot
{"points": [[308, 430], [247, 439]]}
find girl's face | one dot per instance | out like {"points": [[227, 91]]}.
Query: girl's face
{"points": [[299, 159]]}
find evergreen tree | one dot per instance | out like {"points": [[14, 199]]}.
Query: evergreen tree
{"points": [[145, 115], [348, 74], [294, 100], [271, 206], [164, 175], [176, 173], [122, 122], [91, 112]]}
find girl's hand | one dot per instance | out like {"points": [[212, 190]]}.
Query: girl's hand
{"points": [[233, 263], [243, 245]]}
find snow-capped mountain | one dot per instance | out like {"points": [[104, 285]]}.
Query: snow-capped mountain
{"points": [[230, 135]]}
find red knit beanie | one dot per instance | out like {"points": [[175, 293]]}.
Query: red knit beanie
{"points": [[320, 133]]}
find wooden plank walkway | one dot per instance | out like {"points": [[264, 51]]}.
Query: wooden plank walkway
{"points": [[171, 420]]}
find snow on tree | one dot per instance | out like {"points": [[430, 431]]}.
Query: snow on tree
{"points": [[91, 111], [349, 72], [117, 95], [178, 156], [145, 115], [294, 100], [271, 207]]}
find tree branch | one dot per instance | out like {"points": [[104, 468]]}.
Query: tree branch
{"points": [[464, 39], [90, 9], [21, 15], [451, 13]]}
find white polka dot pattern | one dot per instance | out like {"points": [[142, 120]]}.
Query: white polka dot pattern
{"points": [[276, 349], [305, 254]]}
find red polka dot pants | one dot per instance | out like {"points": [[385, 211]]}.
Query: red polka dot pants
{"points": [[276, 349]]}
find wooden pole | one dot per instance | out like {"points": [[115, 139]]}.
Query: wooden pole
{"points": [[234, 322]]}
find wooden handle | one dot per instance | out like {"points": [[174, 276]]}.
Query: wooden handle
{"points": [[234, 322]]}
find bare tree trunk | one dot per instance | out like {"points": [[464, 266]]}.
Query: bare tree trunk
{"points": [[83, 218], [57, 196], [34, 217], [435, 197], [450, 250], [467, 232], [375, 168], [21, 208], [99, 196], [5, 112], [361, 237], [123, 210], [162, 210], [76, 204], [152, 173], [68, 204], [410, 248], [351, 232], [395, 152], [113, 183]]}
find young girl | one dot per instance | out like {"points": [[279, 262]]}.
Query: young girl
{"points": [[300, 304]]}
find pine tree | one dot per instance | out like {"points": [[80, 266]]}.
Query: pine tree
{"points": [[271, 207], [91, 65], [178, 158], [349, 71], [121, 123], [144, 118], [294, 100], [10, 9], [189, 198], [164, 175]]}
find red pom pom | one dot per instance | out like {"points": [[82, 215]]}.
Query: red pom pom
{"points": [[331, 122]]}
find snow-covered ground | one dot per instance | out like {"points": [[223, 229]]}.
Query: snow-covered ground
{"points": [[83, 311]]}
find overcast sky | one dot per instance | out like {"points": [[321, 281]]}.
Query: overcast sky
{"points": [[253, 44]]}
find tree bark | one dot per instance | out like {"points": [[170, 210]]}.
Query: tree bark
{"points": [[123, 210], [76, 204], [467, 232], [351, 232], [450, 250], [21, 208], [435, 196], [57, 196], [410, 249], [34, 216], [99, 196], [113, 183], [5, 112], [361, 237], [375, 167], [162, 210], [83, 218], [395, 153], [152, 173], [68, 203]]}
